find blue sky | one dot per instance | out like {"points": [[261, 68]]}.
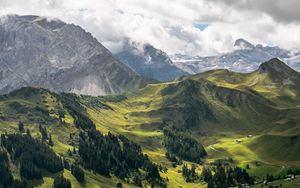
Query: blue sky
{"points": [[200, 26]]}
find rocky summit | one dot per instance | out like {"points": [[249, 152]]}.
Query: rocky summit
{"points": [[149, 61], [42, 52]]}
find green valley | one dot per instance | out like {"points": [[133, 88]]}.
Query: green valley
{"points": [[251, 121]]}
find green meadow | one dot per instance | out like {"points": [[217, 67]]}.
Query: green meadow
{"points": [[252, 119]]}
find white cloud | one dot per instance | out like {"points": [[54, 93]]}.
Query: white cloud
{"points": [[168, 24]]}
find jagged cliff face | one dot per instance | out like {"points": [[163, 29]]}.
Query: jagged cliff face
{"points": [[36, 51], [148, 61]]}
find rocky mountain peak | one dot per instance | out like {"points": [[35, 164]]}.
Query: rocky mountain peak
{"points": [[49, 53], [276, 66], [148, 61], [243, 44]]}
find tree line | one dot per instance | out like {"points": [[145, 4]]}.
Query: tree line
{"points": [[6, 178], [115, 154], [190, 174], [183, 146], [226, 176], [218, 176], [77, 111], [32, 155]]}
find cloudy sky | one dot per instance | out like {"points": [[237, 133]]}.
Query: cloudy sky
{"points": [[195, 27]]}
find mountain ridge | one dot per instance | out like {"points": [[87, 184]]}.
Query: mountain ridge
{"points": [[44, 52], [148, 61], [275, 65], [245, 58], [274, 80]]}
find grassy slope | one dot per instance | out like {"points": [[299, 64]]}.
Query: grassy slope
{"points": [[141, 115], [274, 80], [132, 117], [27, 99]]}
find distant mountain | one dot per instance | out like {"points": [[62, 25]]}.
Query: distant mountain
{"points": [[43, 52], [243, 44], [294, 61], [148, 61], [245, 58]]}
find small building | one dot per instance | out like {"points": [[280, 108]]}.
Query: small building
{"points": [[291, 176]]}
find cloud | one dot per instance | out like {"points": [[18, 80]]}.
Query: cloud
{"points": [[170, 25], [280, 10]]}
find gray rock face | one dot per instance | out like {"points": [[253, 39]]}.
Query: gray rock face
{"points": [[243, 44], [149, 62], [246, 58], [39, 52]]}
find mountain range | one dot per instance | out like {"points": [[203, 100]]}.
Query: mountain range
{"points": [[43, 52], [245, 58], [72, 114]]}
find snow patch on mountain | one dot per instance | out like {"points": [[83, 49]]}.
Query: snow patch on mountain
{"points": [[245, 58]]}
